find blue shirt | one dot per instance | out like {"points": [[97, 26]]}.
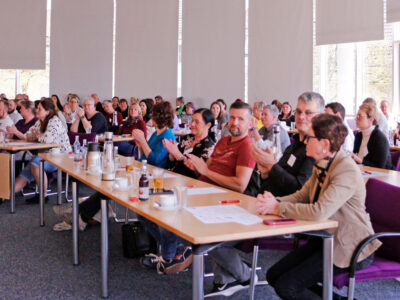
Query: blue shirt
{"points": [[159, 155]]}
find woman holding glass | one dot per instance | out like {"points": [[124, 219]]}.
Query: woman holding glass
{"points": [[48, 130], [335, 191]]}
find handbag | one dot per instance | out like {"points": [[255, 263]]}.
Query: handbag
{"points": [[136, 241]]}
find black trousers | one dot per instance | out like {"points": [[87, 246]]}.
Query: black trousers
{"points": [[296, 275], [88, 208]]}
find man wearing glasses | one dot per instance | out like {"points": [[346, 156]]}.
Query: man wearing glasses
{"points": [[89, 120], [293, 169]]}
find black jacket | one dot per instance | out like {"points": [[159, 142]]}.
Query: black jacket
{"points": [[291, 172], [378, 150]]}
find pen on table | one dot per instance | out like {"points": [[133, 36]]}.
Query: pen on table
{"points": [[229, 201], [367, 172]]}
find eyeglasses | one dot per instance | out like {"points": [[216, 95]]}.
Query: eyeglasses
{"points": [[308, 113], [308, 137], [359, 116]]}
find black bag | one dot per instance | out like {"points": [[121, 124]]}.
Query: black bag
{"points": [[136, 241], [254, 184]]}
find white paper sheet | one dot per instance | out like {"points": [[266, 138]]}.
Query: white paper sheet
{"points": [[22, 144], [204, 191], [216, 214], [367, 174]]}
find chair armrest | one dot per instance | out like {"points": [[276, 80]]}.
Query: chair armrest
{"points": [[363, 244]]}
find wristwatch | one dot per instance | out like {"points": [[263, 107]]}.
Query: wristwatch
{"points": [[253, 129], [82, 117]]}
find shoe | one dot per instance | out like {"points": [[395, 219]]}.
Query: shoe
{"points": [[228, 289], [67, 223], [179, 263], [35, 199], [62, 226], [154, 262]]}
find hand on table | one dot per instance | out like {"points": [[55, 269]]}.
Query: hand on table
{"points": [[266, 204]]}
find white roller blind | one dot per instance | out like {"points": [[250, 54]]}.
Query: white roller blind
{"points": [[213, 50], [280, 49], [392, 11], [146, 57], [344, 21], [23, 34], [81, 47]]}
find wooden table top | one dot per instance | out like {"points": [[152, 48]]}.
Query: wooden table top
{"points": [[17, 145], [392, 177], [184, 223], [118, 138]]}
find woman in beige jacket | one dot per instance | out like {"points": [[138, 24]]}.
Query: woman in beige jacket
{"points": [[335, 191]]}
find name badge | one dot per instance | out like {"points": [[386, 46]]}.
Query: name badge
{"points": [[291, 160]]}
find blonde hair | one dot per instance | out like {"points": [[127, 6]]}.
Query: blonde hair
{"points": [[138, 108], [371, 110]]}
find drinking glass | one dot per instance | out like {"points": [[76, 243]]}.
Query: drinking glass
{"points": [[158, 180]]}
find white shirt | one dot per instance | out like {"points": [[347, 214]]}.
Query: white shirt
{"points": [[15, 116], [348, 144], [383, 125], [7, 121], [366, 134]]}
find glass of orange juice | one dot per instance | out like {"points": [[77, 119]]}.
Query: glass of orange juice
{"points": [[158, 180]]}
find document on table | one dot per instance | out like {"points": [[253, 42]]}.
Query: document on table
{"points": [[169, 175], [215, 214], [367, 174], [204, 191], [22, 144]]}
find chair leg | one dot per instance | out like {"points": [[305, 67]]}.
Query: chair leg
{"points": [[253, 271], [350, 292]]}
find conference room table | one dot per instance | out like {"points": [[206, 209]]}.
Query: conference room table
{"points": [[388, 176], [7, 165], [117, 138], [394, 148], [203, 237]]}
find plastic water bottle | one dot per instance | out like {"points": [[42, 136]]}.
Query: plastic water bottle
{"points": [[84, 153], [77, 149], [277, 147]]}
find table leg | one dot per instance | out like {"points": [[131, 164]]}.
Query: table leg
{"points": [[104, 248], [12, 183], [59, 186], [328, 268], [75, 222], [253, 272], [197, 275], [41, 191]]}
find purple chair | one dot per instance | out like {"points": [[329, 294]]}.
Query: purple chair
{"points": [[90, 137], [383, 205], [395, 160]]}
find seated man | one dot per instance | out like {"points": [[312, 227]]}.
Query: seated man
{"points": [[230, 165], [5, 120], [12, 111], [335, 108], [264, 137], [89, 120], [232, 268]]}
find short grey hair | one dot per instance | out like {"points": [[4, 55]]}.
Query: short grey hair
{"points": [[313, 96], [259, 104], [272, 109], [89, 99]]}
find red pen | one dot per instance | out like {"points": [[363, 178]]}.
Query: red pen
{"points": [[367, 172], [229, 201]]}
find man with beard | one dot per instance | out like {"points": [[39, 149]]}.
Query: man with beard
{"points": [[231, 164], [12, 111]]}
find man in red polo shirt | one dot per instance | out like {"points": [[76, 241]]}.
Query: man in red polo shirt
{"points": [[231, 164]]}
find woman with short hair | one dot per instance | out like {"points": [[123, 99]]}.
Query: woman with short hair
{"points": [[371, 147], [335, 191]]}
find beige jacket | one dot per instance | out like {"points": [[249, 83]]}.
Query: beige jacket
{"points": [[342, 198]]}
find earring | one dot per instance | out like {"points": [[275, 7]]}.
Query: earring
{"points": [[324, 151]]}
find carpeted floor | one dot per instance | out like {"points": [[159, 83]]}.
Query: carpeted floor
{"points": [[36, 263]]}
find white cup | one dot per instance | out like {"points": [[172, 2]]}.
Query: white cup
{"points": [[167, 201], [121, 183]]}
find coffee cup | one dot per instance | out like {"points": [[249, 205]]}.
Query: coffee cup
{"points": [[167, 201]]}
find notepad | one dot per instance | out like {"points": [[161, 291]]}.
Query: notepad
{"points": [[205, 191], [373, 174]]}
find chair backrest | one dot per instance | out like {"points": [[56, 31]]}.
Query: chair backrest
{"points": [[396, 160], [90, 137], [383, 205]]}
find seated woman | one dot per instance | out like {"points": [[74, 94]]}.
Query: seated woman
{"points": [[186, 118], [200, 142], [146, 110], [134, 121], [70, 109], [335, 191], [154, 150], [59, 110], [287, 114], [48, 130], [371, 146], [215, 107]]}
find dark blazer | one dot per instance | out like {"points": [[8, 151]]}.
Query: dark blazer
{"points": [[378, 150]]}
